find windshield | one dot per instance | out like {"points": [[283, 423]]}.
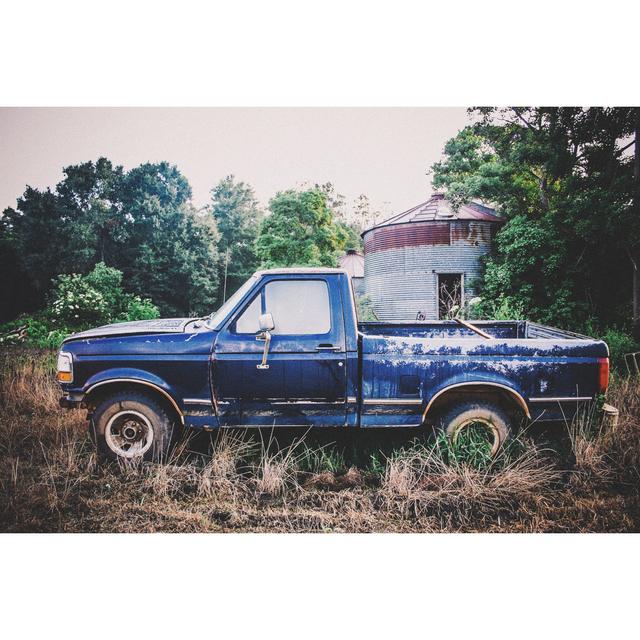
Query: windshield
{"points": [[218, 317]]}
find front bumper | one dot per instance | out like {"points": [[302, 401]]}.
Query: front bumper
{"points": [[72, 401]]}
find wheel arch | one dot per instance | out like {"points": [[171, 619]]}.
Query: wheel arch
{"points": [[100, 389], [512, 397]]}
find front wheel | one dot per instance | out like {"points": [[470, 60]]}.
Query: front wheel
{"points": [[476, 425], [132, 425]]}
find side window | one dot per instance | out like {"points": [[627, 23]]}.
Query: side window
{"points": [[248, 321], [298, 307]]}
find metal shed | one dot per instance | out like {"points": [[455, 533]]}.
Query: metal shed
{"points": [[420, 263], [353, 263]]}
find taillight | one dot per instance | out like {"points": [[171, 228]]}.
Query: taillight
{"points": [[603, 374]]}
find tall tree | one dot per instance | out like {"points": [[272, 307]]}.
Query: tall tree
{"points": [[563, 179], [172, 257], [300, 230], [365, 216], [237, 215], [345, 219], [68, 229], [140, 222]]}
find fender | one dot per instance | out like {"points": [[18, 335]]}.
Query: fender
{"points": [[136, 376], [453, 384]]}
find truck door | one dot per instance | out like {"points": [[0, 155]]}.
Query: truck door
{"points": [[304, 382]]}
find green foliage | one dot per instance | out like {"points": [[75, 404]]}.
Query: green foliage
{"points": [[34, 331], [364, 308], [501, 308], [351, 224], [139, 309], [326, 458], [619, 343], [561, 180], [173, 250], [352, 233], [237, 216], [62, 231], [140, 222], [300, 230], [78, 301]]}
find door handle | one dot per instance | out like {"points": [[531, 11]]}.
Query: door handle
{"points": [[327, 347]]}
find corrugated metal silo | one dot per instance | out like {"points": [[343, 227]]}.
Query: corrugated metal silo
{"points": [[353, 263], [411, 258]]}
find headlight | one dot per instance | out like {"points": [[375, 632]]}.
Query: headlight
{"points": [[64, 369]]}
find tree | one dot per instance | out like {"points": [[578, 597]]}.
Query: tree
{"points": [[348, 222], [300, 230], [172, 257], [237, 216], [140, 222], [91, 197], [33, 240], [354, 220], [335, 201], [364, 216], [563, 180]]}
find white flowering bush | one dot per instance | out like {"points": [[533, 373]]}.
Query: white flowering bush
{"points": [[78, 300], [75, 302]]}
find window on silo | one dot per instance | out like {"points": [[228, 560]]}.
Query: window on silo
{"points": [[449, 295]]}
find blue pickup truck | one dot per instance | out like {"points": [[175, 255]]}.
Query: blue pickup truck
{"points": [[286, 350]]}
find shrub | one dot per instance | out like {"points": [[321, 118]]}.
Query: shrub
{"points": [[74, 302], [78, 300], [502, 308], [619, 343], [32, 330], [364, 307]]}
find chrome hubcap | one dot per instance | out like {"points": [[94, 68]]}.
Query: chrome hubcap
{"points": [[129, 434]]}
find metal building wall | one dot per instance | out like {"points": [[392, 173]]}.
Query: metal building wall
{"points": [[402, 263]]}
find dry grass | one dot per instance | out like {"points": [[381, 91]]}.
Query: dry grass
{"points": [[50, 479]]}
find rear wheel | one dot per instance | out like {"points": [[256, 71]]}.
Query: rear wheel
{"points": [[132, 425], [476, 427]]}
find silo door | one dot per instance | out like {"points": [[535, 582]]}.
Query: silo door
{"points": [[450, 295]]}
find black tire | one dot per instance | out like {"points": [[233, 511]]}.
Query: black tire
{"points": [[116, 418], [456, 417]]}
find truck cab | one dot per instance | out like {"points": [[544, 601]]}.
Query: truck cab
{"points": [[287, 353]]}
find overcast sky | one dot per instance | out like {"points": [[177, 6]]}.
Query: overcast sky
{"points": [[382, 152]]}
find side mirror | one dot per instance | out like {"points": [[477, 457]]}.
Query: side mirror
{"points": [[266, 322]]}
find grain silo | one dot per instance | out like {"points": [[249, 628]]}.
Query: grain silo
{"points": [[353, 263], [422, 263]]}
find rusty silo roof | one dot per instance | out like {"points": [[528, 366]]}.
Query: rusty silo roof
{"points": [[353, 263], [439, 209]]}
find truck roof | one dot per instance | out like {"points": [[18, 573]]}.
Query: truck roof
{"points": [[293, 270]]}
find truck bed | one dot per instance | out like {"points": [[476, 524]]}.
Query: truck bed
{"points": [[505, 329], [549, 369]]}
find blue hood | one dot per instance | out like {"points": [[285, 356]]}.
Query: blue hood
{"points": [[166, 325]]}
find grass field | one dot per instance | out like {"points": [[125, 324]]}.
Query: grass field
{"points": [[574, 478]]}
